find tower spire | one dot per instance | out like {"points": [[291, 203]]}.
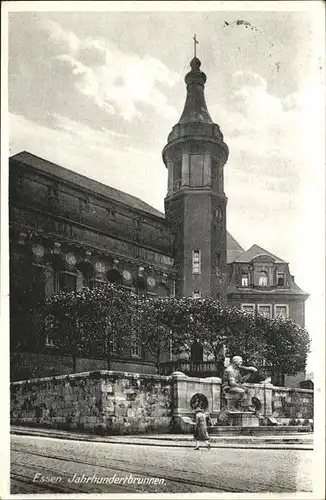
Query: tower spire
{"points": [[195, 109], [195, 155], [195, 43]]}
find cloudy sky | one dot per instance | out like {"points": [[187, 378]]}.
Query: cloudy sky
{"points": [[98, 93]]}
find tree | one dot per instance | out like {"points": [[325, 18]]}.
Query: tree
{"points": [[210, 328], [287, 348], [150, 326], [246, 336], [90, 319], [99, 316]]}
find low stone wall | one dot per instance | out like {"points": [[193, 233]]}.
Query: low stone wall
{"points": [[108, 402], [292, 403], [104, 402]]}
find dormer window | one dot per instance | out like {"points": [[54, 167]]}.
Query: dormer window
{"points": [[280, 279], [244, 279], [263, 278]]}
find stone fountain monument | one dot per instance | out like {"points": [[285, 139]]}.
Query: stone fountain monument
{"points": [[241, 410]]}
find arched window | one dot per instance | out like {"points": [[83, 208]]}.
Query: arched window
{"points": [[85, 275], [140, 285], [263, 278]]}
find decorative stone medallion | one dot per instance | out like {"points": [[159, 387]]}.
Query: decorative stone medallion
{"points": [[38, 250], [100, 267], [199, 400], [71, 259], [151, 281], [126, 275]]}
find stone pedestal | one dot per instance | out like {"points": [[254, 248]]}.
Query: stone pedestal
{"points": [[243, 419], [184, 389]]}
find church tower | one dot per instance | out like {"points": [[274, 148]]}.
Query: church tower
{"points": [[195, 204]]}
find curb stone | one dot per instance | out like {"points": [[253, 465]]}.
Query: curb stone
{"points": [[185, 441]]}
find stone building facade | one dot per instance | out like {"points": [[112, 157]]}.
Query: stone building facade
{"points": [[68, 231]]}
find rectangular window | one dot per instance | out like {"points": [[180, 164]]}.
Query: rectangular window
{"points": [[196, 262], [114, 346], [67, 281], [249, 308], [265, 310], [136, 351], [196, 170], [282, 310], [48, 326], [64, 282], [49, 341], [263, 278], [280, 279], [218, 264], [244, 279], [196, 295], [56, 282]]}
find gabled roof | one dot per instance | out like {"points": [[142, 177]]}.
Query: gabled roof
{"points": [[53, 169], [233, 248], [256, 251]]}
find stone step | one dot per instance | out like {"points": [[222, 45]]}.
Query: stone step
{"points": [[259, 431]]}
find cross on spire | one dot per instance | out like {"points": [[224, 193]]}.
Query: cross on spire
{"points": [[195, 43]]}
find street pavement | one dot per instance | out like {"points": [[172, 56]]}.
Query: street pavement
{"points": [[42, 465], [299, 441]]}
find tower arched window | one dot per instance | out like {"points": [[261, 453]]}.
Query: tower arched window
{"points": [[196, 170], [177, 174], [263, 278]]}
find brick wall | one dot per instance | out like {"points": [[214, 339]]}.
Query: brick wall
{"points": [[104, 402]]}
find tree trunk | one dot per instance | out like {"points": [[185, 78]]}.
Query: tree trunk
{"points": [[219, 366], [282, 378], [74, 364], [158, 364]]}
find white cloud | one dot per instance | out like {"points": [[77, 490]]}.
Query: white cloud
{"points": [[118, 82], [63, 41], [99, 154]]}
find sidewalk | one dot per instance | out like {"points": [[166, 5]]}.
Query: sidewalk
{"points": [[294, 442]]}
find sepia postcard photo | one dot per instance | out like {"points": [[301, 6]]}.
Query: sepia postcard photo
{"points": [[162, 249]]}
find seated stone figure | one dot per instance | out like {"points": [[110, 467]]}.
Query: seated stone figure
{"points": [[235, 393]]}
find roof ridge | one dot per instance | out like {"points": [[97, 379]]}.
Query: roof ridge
{"points": [[248, 253], [78, 176]]}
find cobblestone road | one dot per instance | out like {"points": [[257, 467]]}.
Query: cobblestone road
{"points": [[44, 465]]}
